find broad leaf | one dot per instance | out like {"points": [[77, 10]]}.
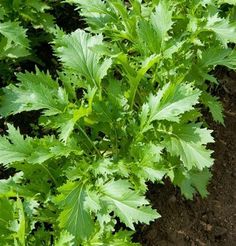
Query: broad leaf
{"points": [[218, 56]]}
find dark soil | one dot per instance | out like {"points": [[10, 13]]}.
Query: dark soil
{"points": [[210, 221]]}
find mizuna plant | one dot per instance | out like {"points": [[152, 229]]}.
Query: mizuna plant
{"points": [[124, 109]]}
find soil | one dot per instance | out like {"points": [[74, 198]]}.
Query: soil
{"points": [[201, 222]]}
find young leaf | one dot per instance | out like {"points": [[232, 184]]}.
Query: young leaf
{"points": [[169, 104], [120, 238], [161, 20], [9, 187], [215, 107]]}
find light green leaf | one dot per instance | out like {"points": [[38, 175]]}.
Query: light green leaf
{"points": [[154, 174], [74, 218], [14, 32], [65, 239], [6, 218], [218, 56], [120, 238], [90, 7], [92, 201], [162, 20], [21, 228], [224, 30], [9, 187], [147, 64], [66, 129], [172, 101], [75, 53], [13, 51], [14, 147], [49, 147], [96, 12], [12, 222], [36, 91], [148, 38], [215, 107], [148, 157], [169, 104], [151, 153], [66, 121], [127, 204], [233, 2], [189, 143], [192, 182]]}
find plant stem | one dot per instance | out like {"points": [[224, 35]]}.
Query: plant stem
{"points": [[90, 141]]}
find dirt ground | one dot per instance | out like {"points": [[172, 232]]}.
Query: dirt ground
{"points": [[202, 222]]}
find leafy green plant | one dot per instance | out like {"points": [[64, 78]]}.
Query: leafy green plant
{"points": [[124, 109]]}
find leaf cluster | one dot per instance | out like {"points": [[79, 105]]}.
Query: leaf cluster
{"points": [[123, 110]]}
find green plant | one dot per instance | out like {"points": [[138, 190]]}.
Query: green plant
{"points": [[125, 109]]}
